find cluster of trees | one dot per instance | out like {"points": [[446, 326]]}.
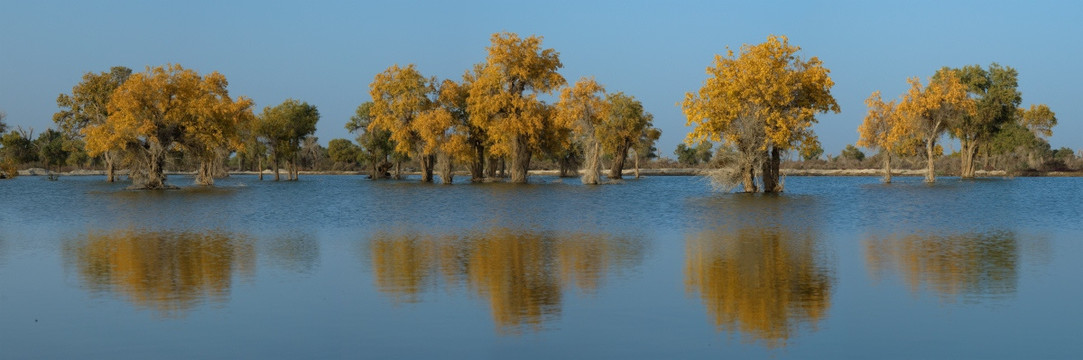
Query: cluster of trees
{"points": [[759, 103], [978, 106], [495, 121], [166, 114]]}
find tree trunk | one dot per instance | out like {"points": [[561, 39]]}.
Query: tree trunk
{"points": [[969, 151], [398, 169], [636, 163], [274, 154], [490, 167], [771, 182], [748, 178], [259, 168], [477, 165], [520, 160], [887, 167], [930, 175], [155, 172], [205, 175], [446, 168], [592, 170], [427, 162], [110, 170], [617, 170]]}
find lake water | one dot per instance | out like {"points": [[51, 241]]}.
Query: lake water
{"points": [[661, 267]]}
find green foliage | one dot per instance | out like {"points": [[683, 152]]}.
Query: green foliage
{"points": [[52, 149], [692, 156], [852, 153], [17, 147], [376, 145], [343, 151]]}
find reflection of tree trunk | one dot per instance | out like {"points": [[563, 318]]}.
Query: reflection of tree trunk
{"points": [[887, 167], [426, 162], [616, 171], [520, 160], [930, 176], [773, 158]]}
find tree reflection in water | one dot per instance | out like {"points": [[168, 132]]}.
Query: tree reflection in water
{"points": [[523, 274], [170, 272], [761, 283], [970, 266]]}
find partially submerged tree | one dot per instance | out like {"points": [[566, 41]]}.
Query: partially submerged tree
{"points": [[504, 100], [583, 108], [376, 145], [762, 102], [623, 128], [283, 128], [996, 97], [399, 96], [931, 108], [162, 110], [885, 129], [88, 105]]}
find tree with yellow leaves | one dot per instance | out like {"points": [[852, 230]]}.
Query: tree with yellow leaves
{"points": [[762, 101], [886, 129], [215, 129], [1039, 119], [931, 108], [504, 100], [583, 108], [87, 105], [163, 109], [400, 97]]}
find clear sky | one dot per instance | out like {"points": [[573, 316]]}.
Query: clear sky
{"points": [[327, 52]]}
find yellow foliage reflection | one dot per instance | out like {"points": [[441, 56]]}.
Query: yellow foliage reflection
{"points": [[950, 266], [522, 274], [170, 272], [760, 282]]}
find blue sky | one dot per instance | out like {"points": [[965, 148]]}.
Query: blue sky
{"points": [[327, 52]]}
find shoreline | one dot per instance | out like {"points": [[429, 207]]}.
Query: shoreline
{"points": [[627, 173]]}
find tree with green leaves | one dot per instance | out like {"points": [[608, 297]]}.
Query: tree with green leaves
{"points": [[343, 151], [88, 105], [996, 97], [283, 128], [376, 145], [52, 150]]}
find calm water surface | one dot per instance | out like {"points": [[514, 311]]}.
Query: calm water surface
{"points": [[338, 266]]}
